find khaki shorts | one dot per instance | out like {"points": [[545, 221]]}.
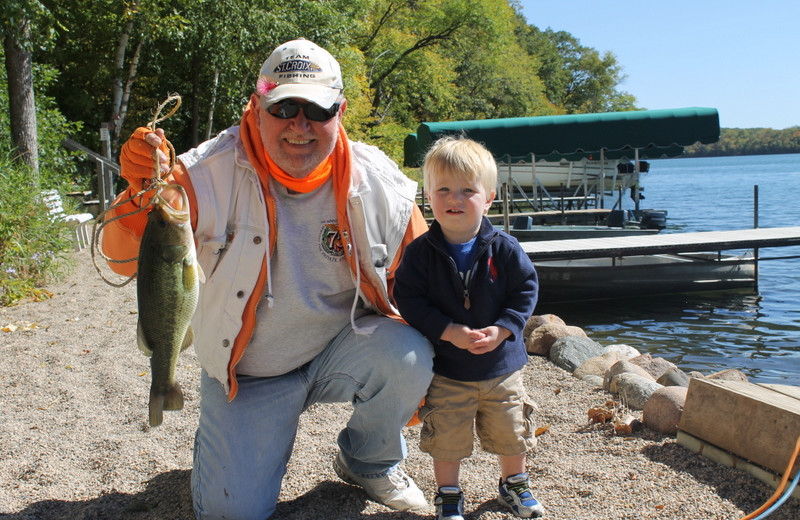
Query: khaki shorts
{"points": [[499, 408]]}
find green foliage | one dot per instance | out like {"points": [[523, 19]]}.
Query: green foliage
{"points": [[403, 61], [749, 141], [58, 169], [32, 248], [435, 60], [577, 79], [16, 14], [207, 52]]}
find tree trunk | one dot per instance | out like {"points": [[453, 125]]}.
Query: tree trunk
{"points": [[210, 123], [22, 106], [126, 94], [119, 63]]}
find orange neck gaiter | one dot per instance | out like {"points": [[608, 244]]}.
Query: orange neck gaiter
{"points": [[309, 183], [266, 167]]}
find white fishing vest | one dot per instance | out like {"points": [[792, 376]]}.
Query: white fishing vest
{"points": [[233, 235]]}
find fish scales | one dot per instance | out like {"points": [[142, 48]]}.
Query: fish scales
{"points": [[168, 281]]}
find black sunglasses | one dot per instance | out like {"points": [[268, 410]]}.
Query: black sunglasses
{"points": [[288, 108]]}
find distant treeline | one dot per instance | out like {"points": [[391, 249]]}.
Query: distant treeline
{"points": [[749, 141]]}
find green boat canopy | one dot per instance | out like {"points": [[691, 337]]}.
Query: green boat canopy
{"points": [[654, 133]]}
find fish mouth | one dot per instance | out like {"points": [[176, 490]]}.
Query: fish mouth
{"points": [[170, 213]]}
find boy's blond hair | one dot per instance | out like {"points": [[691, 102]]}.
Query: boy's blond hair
{"points": [[463, 157]]}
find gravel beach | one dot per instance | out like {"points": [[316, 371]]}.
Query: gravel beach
{"points": [[75, 444]]}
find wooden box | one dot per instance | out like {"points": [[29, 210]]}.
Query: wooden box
{"points": [[759, 423]]}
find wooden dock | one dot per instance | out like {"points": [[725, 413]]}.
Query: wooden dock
{"points": [[663, 243]]}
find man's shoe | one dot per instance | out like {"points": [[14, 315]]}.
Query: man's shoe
{"points": [[449, 504], [395, 489], [515, 493]]}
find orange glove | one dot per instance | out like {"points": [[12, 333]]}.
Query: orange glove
{"points": [[137, 157]]}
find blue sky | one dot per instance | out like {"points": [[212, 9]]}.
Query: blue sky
{"points": [[741, 57]]}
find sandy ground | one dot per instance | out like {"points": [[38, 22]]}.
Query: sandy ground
{"points": [[74, 440]]}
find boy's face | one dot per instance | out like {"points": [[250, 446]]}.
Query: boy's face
{"points": [[458, 205]]}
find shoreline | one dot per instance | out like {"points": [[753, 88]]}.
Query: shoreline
{"points": [[74, 440]]}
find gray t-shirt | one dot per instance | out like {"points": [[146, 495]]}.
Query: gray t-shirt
{"points": [[312, 285]]}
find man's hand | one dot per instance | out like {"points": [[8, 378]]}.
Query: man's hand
{"points": [[139, 153]]}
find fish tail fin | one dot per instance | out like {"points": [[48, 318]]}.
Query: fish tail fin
{"points": [[171, 400], [174, 398], [156, 408]]}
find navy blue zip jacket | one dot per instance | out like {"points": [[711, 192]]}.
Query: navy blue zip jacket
{"points": [[501, 290]]}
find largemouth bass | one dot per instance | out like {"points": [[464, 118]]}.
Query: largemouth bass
{"points": [[167, 287]]}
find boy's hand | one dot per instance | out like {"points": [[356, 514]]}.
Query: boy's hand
{"points": [[490, 340], [461, 336]]}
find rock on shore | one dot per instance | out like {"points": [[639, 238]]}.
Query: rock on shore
{"points": [[637, 379]]}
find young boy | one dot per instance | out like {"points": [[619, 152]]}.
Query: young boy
{"points": [[470, 289]]}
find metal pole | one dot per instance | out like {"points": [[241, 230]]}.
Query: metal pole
{"points": [[534, 187], [602, 179], [104, 184], [510, 185], [755, 226], [505, 207], [636, 184], [102, 189]]}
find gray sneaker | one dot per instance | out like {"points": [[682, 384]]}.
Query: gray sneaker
{"points": [[449, 502], [394, 489], [515, 493]]}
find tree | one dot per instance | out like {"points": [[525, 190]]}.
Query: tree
{"points": [[447, 59], [403, 61], [577, 79], [401, 37], [19, 73], [497, 78]]}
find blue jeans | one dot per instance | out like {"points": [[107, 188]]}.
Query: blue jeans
{"points": [[242, 446]]}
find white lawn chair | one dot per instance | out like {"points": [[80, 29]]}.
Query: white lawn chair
{"points": [[79, 223]]}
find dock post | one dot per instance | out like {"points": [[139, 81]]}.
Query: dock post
{"points": [[755, 226]]}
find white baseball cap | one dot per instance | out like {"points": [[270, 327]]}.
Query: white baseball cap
{"points": [[300, 69]]}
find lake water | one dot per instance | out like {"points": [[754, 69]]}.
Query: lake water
{"points": [[757, 332]]}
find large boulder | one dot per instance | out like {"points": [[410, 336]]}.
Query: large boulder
{"points": [[731, 374], [542, 338], [570, 352], [625, 351], [654, 365], [598, 365], [536, 321], [593, 381], [622, 367], [674, 377], [635, 390], [662, 412]]}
